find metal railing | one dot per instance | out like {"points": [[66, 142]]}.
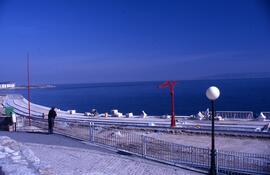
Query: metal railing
{"points": [[267, 114], [243, 162], [172, 153], [233, 114], [160, 150]]}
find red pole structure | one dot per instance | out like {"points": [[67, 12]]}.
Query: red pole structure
{"points": [[171, 85], [172, 96], [28, 87]]}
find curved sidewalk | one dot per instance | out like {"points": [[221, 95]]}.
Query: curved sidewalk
{"points": [[67, 156]]}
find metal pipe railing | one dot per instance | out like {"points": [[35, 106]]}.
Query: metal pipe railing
{"points": [[159, 150]]}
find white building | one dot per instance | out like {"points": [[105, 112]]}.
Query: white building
{"points": [[7, 85]]}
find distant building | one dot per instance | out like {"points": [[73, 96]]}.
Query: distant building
{"points": [[7, 85]]}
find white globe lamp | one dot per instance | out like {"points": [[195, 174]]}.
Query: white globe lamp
{"points": [[212, 93]]}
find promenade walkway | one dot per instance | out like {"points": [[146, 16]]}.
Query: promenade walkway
{"points": [[67, 156]]}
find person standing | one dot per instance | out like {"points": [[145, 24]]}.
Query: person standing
{"points": [[51, 116]]}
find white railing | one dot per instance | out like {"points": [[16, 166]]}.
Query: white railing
{"points": [[267, 115], [233, 114]]}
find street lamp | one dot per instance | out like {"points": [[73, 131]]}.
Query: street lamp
{"points": [[212, 93]]}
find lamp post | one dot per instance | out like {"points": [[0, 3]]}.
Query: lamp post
{"points": [[212, 93]]}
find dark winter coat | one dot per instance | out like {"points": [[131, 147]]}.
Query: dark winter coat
{"points": [[52, 114]]}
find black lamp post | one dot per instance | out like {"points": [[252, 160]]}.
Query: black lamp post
{"points": [[212, 94]]}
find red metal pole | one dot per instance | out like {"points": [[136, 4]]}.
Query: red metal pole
{"points": [[173, 117], [171, 85], [28, 87]]}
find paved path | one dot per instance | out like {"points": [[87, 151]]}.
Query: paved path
{"points": [[48, 139], [67, 156]]}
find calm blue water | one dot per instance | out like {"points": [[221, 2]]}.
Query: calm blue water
{"points": [[245, 94]]}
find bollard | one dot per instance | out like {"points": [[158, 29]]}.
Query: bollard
{"points": [[171, 151]]}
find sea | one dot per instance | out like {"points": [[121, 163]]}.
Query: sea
{"points": [[236, 95]]}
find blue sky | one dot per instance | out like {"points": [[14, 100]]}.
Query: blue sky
{"points": [[74, 41]]}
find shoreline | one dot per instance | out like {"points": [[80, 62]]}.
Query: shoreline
{"points": [[20, 105], [17, 101], [31, 87], [135, 97]]}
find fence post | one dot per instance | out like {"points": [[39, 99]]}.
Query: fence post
{"points": [[171, 153], [22, 121], [143, 140], [209, 157], [217, 157], [91, 132]]}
